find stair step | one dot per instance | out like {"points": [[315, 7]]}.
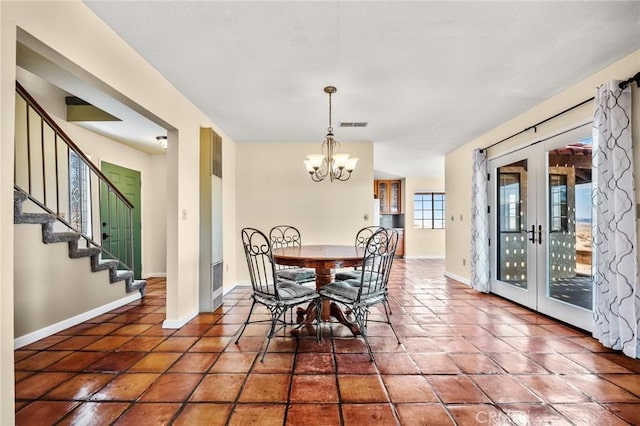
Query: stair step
{"points": [[133, 285], [19, 195], [60, 237], [76, 253], [120, 275], [103, 264], [34, 218], [18, 198]]}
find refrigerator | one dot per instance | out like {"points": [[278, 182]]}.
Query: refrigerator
{"points": [[376, 212]]}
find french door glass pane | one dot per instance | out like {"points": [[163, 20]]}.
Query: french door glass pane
{"points": [[570, 224], [512, 237]]}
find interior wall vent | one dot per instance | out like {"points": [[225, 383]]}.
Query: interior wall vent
{"points": [[353, 124]]}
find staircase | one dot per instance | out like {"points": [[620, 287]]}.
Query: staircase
{"points": [[49, 236], [64, 190]]}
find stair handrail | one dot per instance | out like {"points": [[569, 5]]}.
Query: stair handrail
{"points": [[102, 178], [47, 118]]}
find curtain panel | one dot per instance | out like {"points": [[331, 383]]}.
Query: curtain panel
{"points": [[616, 292], [479, 223]]}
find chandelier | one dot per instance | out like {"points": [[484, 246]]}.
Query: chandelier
{"points": [[336, 165]]}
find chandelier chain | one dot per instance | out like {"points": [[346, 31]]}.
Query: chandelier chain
{"points": [[330, 129]]}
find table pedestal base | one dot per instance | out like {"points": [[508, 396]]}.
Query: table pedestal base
{"points": [[329, 309]]}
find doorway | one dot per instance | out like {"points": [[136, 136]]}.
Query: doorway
{"points": [[541, 230], [117, 228]]}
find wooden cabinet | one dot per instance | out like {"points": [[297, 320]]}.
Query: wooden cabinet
{"points": [[400, 247], [389, 193]]}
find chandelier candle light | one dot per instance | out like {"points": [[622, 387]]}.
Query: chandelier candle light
{"points": [[336, 165]]}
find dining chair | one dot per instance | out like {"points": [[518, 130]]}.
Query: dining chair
{"points": [[289, 236], [371, 288], [361, 241], [278, 296]]}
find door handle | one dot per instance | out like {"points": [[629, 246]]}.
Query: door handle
{"points": [[533, 234], [539, 234], [105, 235]]}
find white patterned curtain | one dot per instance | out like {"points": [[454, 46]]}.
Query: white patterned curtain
{"points": [[616, 292], [479, 223]]}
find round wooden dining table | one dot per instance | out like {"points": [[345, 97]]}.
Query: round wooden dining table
{"points": [[324, 258]]}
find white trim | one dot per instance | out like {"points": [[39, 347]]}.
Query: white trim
{"points": [[231, 288], [425, 257], [155, 275], [463, 280], [49, 330], [218, 293], [177, 323]]}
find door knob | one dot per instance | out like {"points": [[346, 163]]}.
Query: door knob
{"points": [[533, 234], [105, 235], [539, 234]]}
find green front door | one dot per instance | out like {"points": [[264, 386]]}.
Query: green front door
{"points": [[115, 221]]}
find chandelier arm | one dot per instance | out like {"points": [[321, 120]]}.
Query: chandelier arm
{"points": [[321, 173], [343, 175]]}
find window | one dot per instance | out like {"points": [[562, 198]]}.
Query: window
{"points": [[79, 198], [510, 212], [558, 203], [428, 210]]}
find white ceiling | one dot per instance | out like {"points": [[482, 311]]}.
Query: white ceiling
{"points": [[427, 76]]}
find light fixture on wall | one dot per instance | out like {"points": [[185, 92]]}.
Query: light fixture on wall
{"points": [[336, 165], [162, 140]]}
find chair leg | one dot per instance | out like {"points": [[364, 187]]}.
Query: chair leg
{"points": [[361, 315], [319, 319], [276, 313], [387, 306], [246, 322], [388, 315]]}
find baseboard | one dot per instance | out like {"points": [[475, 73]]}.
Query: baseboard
{"points": [[155, 275], [425, 257], [177, 323], [458, 278], [240, 284], [34, 336]]}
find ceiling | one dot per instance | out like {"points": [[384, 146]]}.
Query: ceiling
{"points": [[427, 77]]}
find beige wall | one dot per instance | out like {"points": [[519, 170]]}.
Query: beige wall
{"points": [[422, 243], [458, 163], [273, 188], [56, 287], [102, 59], [154, 221]]}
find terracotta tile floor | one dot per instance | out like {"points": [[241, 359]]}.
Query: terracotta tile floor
{"points": [[465, 358]]}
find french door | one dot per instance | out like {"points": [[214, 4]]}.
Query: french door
{"points": [[540, 199]]}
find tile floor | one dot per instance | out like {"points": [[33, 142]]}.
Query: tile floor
{"points": [[465, 358]]}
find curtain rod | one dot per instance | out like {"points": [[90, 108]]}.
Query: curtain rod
{"points": [[534, 127], [622, 85]]}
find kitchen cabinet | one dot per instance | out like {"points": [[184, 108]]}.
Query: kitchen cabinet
{"points": [[389, 193], [400, 247]]}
